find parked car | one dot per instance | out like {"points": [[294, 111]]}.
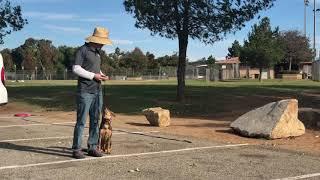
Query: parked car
{"points": [[3, 90]]}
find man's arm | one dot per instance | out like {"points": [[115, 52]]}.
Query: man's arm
{"points": [[79, 71]]}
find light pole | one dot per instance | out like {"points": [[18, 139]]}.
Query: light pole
{"points": [[314, 28], [66, 74], [306, 3], [36, 68], [22, 73], [15, 72]]}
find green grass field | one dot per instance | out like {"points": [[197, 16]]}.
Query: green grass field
{"points": [[206, 100]]}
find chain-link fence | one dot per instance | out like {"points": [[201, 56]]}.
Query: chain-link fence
{"points": [[120, 74], [192, 72]]}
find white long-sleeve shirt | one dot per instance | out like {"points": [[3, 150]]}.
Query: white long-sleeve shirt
{"points": [[79, 71]]}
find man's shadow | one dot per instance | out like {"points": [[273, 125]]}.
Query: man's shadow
{"points": [[55, 151]]}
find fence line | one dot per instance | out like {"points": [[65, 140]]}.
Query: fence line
{"points": [[209, 74]]}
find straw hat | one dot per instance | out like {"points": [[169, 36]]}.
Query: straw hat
{"points": [[100, 36]]}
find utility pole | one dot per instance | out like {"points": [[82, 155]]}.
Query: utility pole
{"points": [[314, 28], [314, 25], [306, 3]]}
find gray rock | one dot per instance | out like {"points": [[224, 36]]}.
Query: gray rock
{"points": [[272, 121]]}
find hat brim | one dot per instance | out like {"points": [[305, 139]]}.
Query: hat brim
{"points": [[99, 40]]}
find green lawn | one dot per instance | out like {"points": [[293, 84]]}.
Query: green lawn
{"points": [[206, 100]]}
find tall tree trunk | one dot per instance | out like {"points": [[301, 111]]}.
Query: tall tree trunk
{"points": [[183, 33], [260, 75], [181, 71]]}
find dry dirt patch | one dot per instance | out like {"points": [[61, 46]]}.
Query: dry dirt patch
{"points": [[210, 129]]}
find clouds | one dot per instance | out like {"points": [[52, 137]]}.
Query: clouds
{"points": [[50, 16], [64, 17], [122, 42], [65, 29], [40, 1]]}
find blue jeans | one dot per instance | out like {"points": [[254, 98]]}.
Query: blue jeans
{"points": [[91, 104]]}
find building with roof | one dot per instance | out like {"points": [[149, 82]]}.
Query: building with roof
{"points": [[229, 68]]}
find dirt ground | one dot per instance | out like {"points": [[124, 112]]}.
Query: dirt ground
{"points": [[210, 129]]}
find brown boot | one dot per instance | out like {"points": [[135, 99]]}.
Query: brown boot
{"points": [[95, 153], [78, 154]]}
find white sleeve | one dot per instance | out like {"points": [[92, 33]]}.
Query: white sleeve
{"points": [[78, 70]]}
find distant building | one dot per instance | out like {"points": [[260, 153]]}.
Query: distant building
{"points": [[229, 68], [254, 73], [306, 69]]}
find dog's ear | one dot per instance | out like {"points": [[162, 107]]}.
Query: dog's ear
{"points": [[113, 114]]}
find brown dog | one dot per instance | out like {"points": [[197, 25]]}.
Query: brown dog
{"points": [[106, 130]]}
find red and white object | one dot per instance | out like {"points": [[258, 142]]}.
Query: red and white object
{"points": [[3, 90], [23, 115]]}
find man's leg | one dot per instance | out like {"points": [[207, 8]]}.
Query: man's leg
{"points": [[84, 101], [94, 113]]}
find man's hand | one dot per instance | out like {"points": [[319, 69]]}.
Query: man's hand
{"points": [[104, 77], [98, 77]]}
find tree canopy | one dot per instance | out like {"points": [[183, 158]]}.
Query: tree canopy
{"points": [[206, 20], [235, 49], [296, 47], [42, 55], [10, 19], [263, 48]]}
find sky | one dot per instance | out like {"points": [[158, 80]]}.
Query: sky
{"points": [[69, 22]]}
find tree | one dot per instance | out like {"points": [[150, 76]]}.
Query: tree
{"points": [[117, 51], [296, 47], [167, 60], [235, 49], [10, 19], [135, 60], [26, 55], [108, 64], [37, 53], [206, 20], [48, 54], [7, 59], [152, 62], [66, 56], [211, 61], [263, 48]]}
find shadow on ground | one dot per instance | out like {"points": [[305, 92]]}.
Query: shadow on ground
{"points": [[202, 102], [65, 152]]}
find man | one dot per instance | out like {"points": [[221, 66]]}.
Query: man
{"points": [[89, 93]]}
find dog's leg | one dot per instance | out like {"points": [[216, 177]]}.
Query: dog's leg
{"points": [[109, 142], [103, 137], [108, 145]]}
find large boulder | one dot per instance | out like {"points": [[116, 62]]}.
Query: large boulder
{"points": [[272, 121], [157, 116]]}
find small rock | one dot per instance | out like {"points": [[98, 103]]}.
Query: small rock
{"points": [[157, 116], [131, 171], [138, 170], [316, 136]]}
